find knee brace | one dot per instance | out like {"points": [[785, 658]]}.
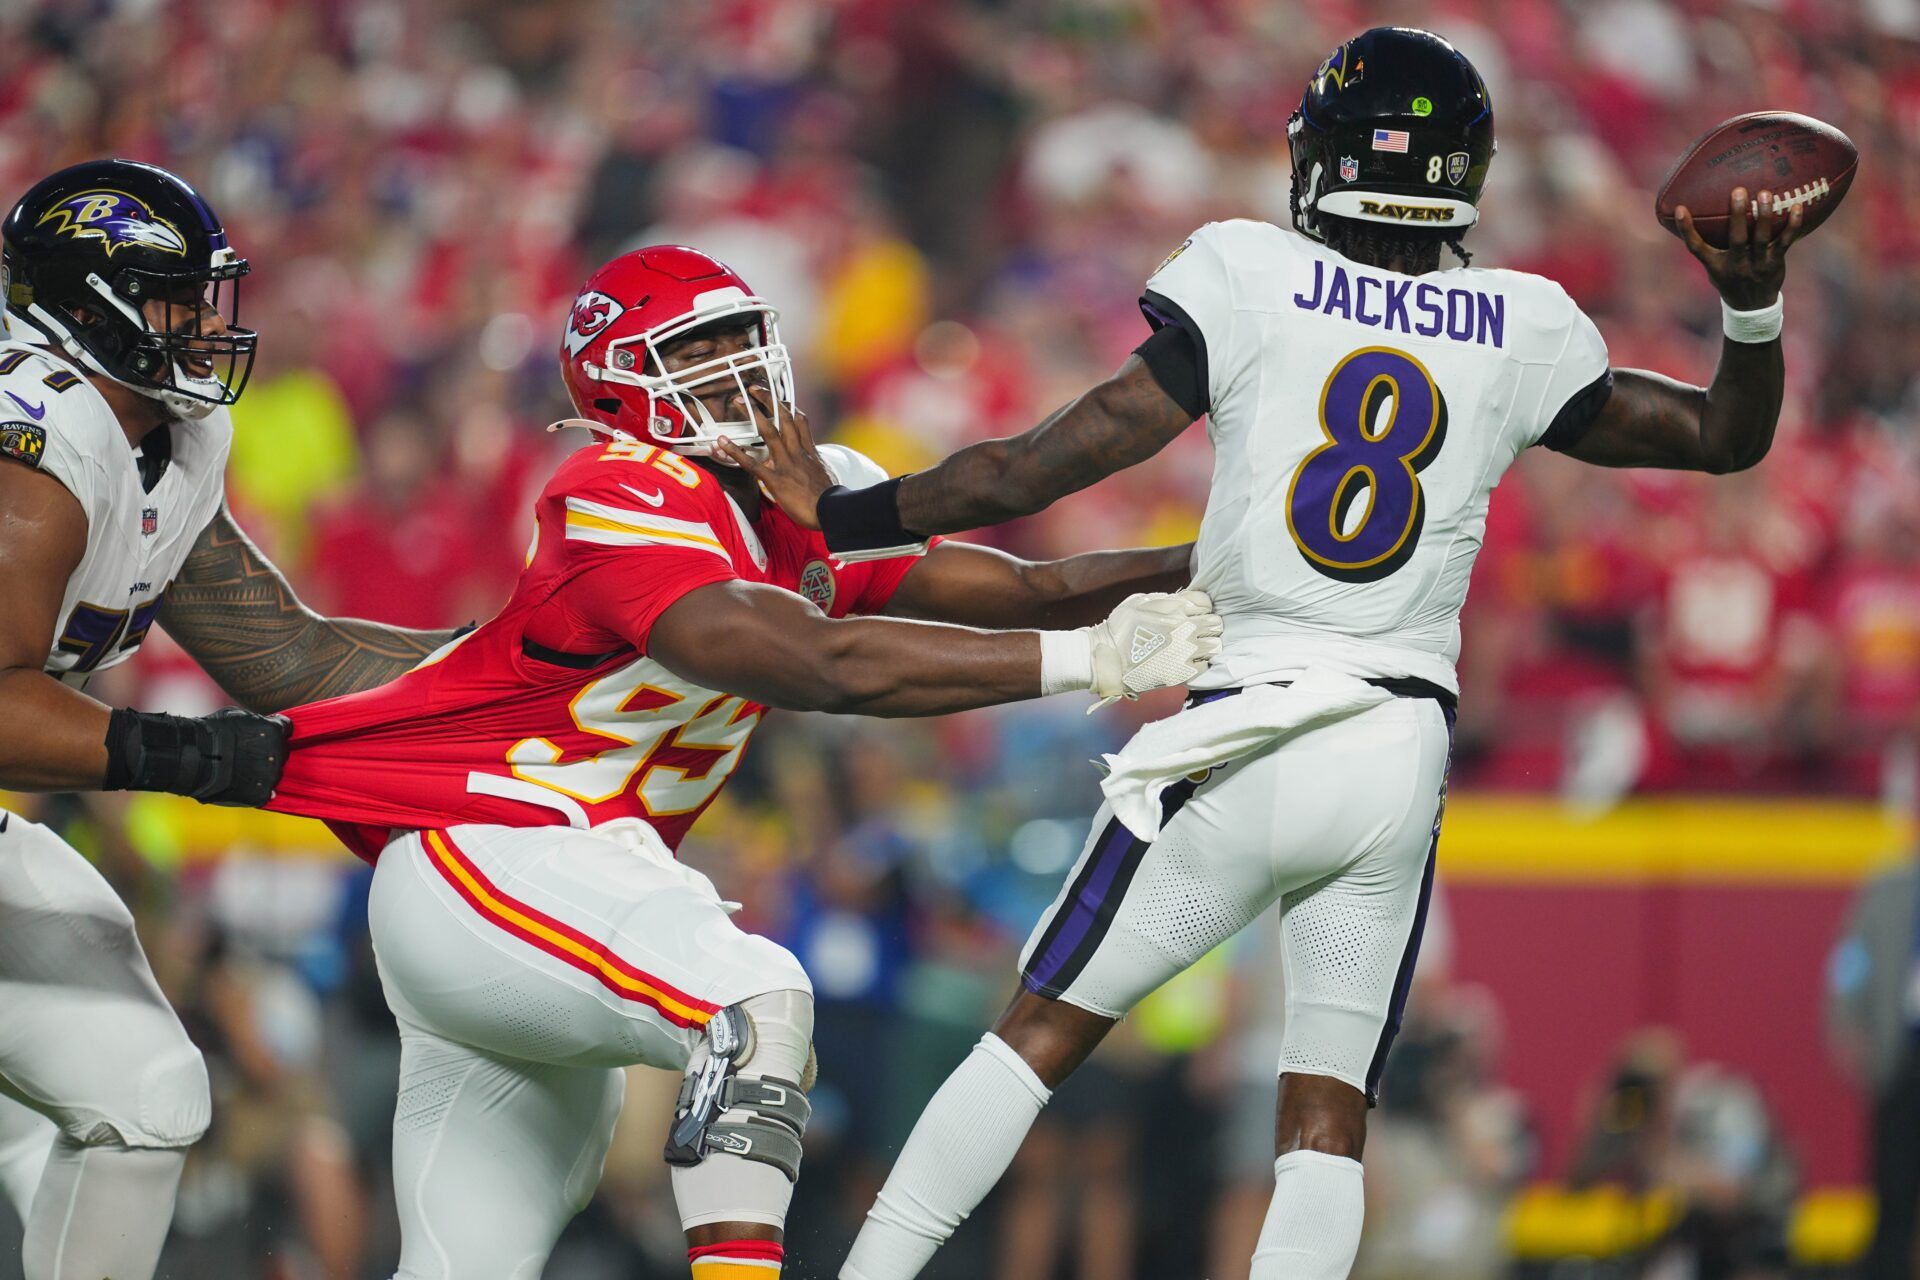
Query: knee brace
{"points": [[745, 1091]]}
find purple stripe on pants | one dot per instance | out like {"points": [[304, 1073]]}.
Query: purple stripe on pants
{"points": [[1105, 864]]}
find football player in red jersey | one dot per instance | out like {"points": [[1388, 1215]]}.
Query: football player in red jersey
{"points": [[522, 790]]}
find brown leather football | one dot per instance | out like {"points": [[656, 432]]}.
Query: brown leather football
{"points": [[1800, 159]]}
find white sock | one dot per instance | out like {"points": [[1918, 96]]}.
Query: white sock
{"points": [[1312, 1229], [960, 1147], [101, 1211]]}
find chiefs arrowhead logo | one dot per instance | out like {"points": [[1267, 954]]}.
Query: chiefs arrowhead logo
{"points": [[593, 311]]}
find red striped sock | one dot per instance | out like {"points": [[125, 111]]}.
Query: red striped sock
{"points": [[737, 1260]]}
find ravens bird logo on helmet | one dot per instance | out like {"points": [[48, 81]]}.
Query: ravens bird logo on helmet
{"points": [[126, 269]]}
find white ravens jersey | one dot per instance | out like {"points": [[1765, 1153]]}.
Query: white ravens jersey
{"points": [[1360, 419], [52, 419]]}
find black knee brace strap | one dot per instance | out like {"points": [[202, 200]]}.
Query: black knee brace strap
{"points": [[753, 1117]]}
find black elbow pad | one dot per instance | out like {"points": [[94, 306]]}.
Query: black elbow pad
{"points": [[1177, 361], [1578, 414], [856, 520]]}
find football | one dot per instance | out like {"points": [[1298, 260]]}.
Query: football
{"points": [[1801, 160]]}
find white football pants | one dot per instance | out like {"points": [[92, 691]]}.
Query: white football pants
{"points": [[103, 1091], [1338, 824], [526, 967]]}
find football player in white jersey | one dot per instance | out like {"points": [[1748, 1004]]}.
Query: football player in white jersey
{"points": [[1362, 404], [114, 379]]}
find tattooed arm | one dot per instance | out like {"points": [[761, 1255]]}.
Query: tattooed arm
{"points": [[1122, 421], [238, 617]]}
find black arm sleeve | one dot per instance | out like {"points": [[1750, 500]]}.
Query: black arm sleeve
{"points": [[1179, 367], [1169, 356], [1577, 414], [863, 519]]}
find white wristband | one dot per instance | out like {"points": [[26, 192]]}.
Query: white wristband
{"points": [[1754, 326], [1066, 662]]}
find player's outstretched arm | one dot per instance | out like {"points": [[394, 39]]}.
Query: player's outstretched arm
{"points": [[774, 647], [1122, 421], [55, 738], [236, 614], [1654, 421], [976, 586]]}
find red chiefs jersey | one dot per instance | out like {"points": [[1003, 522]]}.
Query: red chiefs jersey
{"points": [[551, 712]]}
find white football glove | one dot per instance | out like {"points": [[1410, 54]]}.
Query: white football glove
{"points": [[1153, 642]]}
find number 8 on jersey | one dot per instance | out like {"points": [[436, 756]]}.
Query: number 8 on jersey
{"points": [[1384, 420]]}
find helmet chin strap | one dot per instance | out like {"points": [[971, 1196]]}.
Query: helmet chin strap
{"points": [[705, 449], [188, 407], [1310, 205], [55, 331], [744, 437], [191, 408], [598, 428]]}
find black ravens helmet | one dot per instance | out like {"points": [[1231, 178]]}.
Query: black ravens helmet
{"points": [[90, 248], [1395, 128]]}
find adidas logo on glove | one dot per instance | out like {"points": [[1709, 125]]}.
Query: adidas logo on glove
{"points": [[1146, 643], [1153, 642]]}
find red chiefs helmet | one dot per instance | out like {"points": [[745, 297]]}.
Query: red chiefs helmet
{"points": [[610, 353]]}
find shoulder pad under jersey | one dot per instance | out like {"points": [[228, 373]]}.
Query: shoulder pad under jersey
{"points": [[623, 493], [53, 420], [1543, 321], [851, 468]]}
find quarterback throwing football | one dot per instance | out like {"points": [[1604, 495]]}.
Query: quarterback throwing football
{"points": [[1362, 404]]}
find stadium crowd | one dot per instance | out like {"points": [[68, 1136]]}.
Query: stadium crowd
{"points": [[953, 203]]}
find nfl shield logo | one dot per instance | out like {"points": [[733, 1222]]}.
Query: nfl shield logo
{"points": [[149, 521], [1457, 167], [1349, 169]]}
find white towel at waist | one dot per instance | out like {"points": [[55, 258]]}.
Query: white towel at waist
{"points": [[1201, 737]]}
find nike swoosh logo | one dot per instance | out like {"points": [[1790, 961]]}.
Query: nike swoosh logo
{"points": [[655, 499], [5, 818], [38, 411]]}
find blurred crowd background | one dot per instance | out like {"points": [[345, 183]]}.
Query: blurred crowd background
{"points": [[954, 204]]}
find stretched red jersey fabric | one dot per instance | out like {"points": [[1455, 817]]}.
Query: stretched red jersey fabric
{"points": [[551, 712]]}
